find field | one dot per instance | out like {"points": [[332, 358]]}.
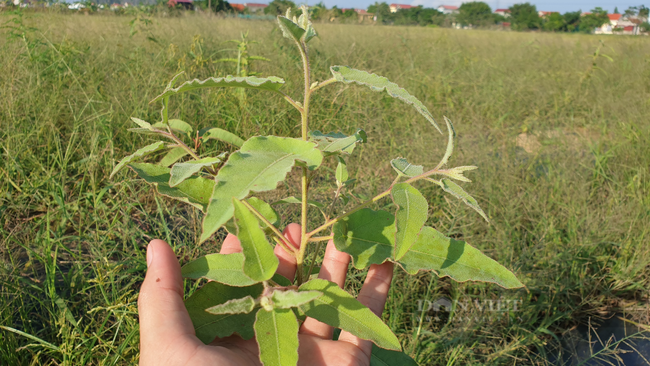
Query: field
{"points": [[557, 124]]}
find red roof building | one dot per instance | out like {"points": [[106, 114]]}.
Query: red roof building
{"points": [[614, 17], [238, 7], [395, 7]]}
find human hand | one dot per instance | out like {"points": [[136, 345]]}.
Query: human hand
{"points": [[167, 335]]}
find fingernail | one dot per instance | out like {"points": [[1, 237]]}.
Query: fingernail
{"points": [[149, 255]]}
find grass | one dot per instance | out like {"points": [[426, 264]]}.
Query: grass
{"points": [[561, 139]]}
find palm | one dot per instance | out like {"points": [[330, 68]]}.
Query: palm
{"points": [[167, 335]]}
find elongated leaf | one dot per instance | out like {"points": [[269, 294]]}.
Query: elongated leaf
{"points": [[195, 190], [176, 125], [224, 268], [367, 235], [209, 326], [258, 166], [149, 149], [384, 357], [260, 262], [277, 336], [182, 171], [291, 299], [339, 309], [173, 156], [450, 187], [336, 142], [456, 259], [404, 168], [341, 172], [221, 135], [411, 214], [450, 143], [271, 83], [141, 123], [375, 82], [264, 209], [235, 306]]}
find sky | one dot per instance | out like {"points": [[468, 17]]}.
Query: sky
{"points": [[544, 5]]}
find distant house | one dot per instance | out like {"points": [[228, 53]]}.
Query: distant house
{"points": [[544, 14], [395, 7], [503, 12], [619, 25], [238, 7], [447, 9], [255, 7]]}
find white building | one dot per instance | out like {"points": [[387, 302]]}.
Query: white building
{"points": [[447, 9]]}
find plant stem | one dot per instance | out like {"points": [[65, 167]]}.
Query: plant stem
{"points": [[320, 238], [367, 203], [305, 184]]}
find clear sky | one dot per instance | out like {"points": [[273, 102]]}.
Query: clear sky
{"points": [[545, 5]]}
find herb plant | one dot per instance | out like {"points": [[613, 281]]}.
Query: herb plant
{"points": [[245, 296]]}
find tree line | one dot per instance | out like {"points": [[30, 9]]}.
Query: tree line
{"points": [[522, 17]]}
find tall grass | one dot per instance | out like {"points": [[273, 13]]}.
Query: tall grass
{"points": [[563, 149]]}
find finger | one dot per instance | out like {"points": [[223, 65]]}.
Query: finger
{"points": [[163, 318], [230, 245], [335, 269], [373, 295], [287, 267]]}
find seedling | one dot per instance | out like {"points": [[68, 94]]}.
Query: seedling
{"points": [[245, 296]]}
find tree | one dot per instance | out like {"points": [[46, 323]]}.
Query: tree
{"points": [[596, 19], [554, 23], [643, 12], [279, 7], [631, 11], [524, 16], [572, 20], [475, 13], [381, 11], [616, 10], [214, 5]]}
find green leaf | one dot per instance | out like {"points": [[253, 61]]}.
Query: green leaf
{"points": [[375, 82], [173, 156], [411, 214], [149, 149], [271, 83], [258, 166], [209, 326], [339, 309], [182, 171], [260, 262], [277, 336], [235, 306], [336, 142], [224, 268], [341, 172], [450, 187], [176, 125], [290, 29], [281, 280], [367, 235], [195, 190], [264, 209], [404, 168], [384, 357], [291, 299], [141, 123], [215, 133], [450, 143], [456, 259]]}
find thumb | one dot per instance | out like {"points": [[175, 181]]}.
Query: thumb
{"points": [[163, 317]]}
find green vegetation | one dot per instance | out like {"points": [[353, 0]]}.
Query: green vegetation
{"points": [[561, 138]]}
